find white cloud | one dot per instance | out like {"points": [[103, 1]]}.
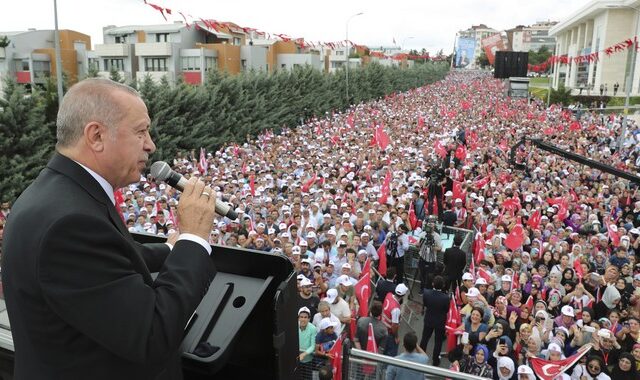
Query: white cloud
{"points": [[432, 24]]}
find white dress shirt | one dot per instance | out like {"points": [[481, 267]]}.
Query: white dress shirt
{"points": [[106, 186]]}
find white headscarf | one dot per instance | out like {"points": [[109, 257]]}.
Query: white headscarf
{"points": [[610, 295], [505, 361]]}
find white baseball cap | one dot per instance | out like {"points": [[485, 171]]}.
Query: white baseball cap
{"points": [[481, 281], [343, 280], [568, 311], [473, 292], [467, 276], [303, 310], [326, 323], [332, 294], [525, 370], [305, 282], [506, 278], [401, 289]]}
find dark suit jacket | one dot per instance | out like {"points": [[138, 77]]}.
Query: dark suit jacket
{"points": [[437, 305], [454, 261], [81, 301]]}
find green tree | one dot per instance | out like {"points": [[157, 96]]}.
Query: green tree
{"points": [[25, 139], [540, 56], [482, 60], [115, 75], [560, 96], [4, 41]]}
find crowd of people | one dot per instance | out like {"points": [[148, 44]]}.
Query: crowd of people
{"points": [[555, 248]]}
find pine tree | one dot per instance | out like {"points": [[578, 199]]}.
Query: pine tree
{"points": [[25, 139]]}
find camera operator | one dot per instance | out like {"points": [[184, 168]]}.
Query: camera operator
{"points": [[436, 179], [429, 245]]}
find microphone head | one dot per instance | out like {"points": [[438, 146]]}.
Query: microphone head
{"points": [[160, 170]]}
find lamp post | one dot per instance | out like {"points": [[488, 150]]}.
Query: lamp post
{"points": [[347, 54], [56, 37], [628, 85], [405, 40]]}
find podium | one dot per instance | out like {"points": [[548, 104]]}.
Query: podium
{"points": [[246, 325]]}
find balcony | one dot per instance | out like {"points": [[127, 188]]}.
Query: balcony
{"points": [[112, 50], [23, 77], [155, 49]]}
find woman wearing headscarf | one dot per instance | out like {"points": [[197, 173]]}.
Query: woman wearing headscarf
{"points": [[594, 369], [506, 369], [477, 364], [626, 368], [610, 299]]}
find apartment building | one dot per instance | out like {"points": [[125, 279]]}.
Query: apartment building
{"points": [[592, 28], [533, 37], [29, 56], [477, 33]]}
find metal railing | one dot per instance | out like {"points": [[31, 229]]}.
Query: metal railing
{"points": [[360, 364]]}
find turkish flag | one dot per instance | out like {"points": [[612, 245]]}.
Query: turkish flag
{"points": [[453, 321], [482, 182], [478, 249], [244, 168], [363, 290], [534, 220], [457, 191], [548, 131], [515, 238], [203, 165], [440, 149], [613, 234], [484, 274], [529, 303], [382, 255], [371, 347], [252, 185], [515, 281], [309, 183], [578, 268], [575, 126], [117, 194], [548, 369], [382, 138], [413, 219], [461, 152], [421, 122], [336, 359]]}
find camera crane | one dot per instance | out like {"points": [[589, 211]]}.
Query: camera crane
{"points": [[570, 156]]}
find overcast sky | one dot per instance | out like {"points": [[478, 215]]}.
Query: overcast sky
{"points": [[432, 24]]}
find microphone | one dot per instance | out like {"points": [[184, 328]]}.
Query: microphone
{"points": [[160, 170]]}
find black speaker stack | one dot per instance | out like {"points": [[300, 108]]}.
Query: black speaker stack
{"points": [[511, 64]]}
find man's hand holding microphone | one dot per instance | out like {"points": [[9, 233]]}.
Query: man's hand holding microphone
{"points": [[196, 208]]}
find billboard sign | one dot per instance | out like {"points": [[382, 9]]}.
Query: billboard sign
{"points": [[465, 52]]}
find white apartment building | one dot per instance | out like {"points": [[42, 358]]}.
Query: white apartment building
{"points": [[592, 28]]}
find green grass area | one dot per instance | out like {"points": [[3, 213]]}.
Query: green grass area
{"points": [[538, 92], [539, 82]]}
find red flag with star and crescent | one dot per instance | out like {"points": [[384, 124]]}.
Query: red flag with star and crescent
{"points": [[382, 263], [372, 346], [413, 219], [363, 289], [453, 321], [336, 359], [549, 369]]}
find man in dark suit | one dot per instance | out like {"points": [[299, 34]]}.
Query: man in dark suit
{"points": [[436, 302], [81, 301], [454, 260]]}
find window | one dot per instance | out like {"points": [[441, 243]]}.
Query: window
{"points": [[162, 37], [121, 39], [339, 52], [243, 64], [41, 69], [115, 63], [237, 41], [210, 63], [22, 65], [94, 64], [190, 63], [155, 64]]}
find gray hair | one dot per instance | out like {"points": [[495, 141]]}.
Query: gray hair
{"points": [[89, 100]]}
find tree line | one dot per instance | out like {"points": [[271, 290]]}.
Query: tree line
{"points": [[225, 109]]}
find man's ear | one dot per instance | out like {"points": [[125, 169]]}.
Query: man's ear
{"points": [[94, 135]]}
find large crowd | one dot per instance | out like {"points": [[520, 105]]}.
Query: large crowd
{"points": [[330, 193]]}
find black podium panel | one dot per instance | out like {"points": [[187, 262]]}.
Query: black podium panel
{"points": [[246, 325]]}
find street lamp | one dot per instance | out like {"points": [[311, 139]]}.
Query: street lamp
{"points": [[405, 40], [347, 53], [629, 80], [56, 37]]}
